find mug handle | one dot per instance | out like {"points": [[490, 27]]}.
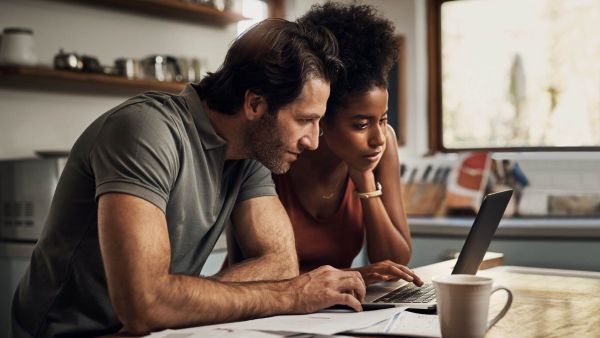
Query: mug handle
{"points": [[506, 306]]}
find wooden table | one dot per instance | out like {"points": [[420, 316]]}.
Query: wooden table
{"points": [[546, 303]]}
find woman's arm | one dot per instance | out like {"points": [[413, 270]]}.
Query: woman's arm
{"points": [[387, 232]]}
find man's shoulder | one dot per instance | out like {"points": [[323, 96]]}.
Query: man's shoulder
{"points": [[148, 117], [148, 110], [148, 103]]}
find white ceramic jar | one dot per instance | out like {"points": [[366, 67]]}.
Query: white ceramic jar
{"points": [[17, 47]]}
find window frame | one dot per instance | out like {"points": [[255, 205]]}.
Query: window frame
{"points": [[397, 93], [434, 94]]}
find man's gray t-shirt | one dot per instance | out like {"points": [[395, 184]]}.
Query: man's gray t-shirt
{"points": [[161, 148]]}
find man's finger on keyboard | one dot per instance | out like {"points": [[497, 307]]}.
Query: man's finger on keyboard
{"points": [[352, 282], [349, 300]]}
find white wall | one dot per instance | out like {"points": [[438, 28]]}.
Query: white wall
{"points": [[48, 120]]}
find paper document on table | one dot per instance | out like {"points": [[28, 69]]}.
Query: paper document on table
{"points": [[230, 333], [406, 323], [317, 323], [325, 323], [213, 332]]}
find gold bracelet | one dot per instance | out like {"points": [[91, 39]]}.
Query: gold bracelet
{"points": [[367, 195]]}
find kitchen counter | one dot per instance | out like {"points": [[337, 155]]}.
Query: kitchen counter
{"points": [[583, 228], [566, 243]]}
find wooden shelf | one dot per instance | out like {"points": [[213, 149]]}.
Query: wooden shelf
{"points": [[175, 9], [29, 76]]}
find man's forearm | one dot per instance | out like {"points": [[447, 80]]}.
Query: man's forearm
{"points": [[146, 297], [269, 267], [181, 300]]}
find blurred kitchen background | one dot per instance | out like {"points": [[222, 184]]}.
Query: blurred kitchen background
{"points": [[487, 95]]}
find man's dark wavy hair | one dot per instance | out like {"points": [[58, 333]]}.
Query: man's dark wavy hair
{"points": [[274, 59], [367, 43]]}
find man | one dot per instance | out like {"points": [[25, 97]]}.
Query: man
{"points": [[149, 186]]}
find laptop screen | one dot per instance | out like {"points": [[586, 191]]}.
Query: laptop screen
{"points": [[481, 233]]}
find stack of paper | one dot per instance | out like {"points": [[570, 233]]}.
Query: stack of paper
{"points": [[323, 323], [406, 324]]}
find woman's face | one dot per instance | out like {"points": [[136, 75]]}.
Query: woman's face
{"points": [[357, 132]]}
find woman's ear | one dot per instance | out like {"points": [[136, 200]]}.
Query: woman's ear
{"points": [[254, 106]]}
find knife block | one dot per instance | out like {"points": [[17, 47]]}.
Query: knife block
{"points": [[424, 199]]}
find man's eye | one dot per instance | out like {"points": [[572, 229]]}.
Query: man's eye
{"points": [[383, 121], [360, 125]]}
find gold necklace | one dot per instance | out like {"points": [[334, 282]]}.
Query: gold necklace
{"points": [[328, 196], [335, 189]]}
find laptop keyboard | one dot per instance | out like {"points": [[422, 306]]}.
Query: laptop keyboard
{"points": [[409, 293]]}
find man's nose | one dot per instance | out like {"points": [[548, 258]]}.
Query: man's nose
{"points": [[311, 141]]}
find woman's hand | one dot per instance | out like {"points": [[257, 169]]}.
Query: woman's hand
{"points": [[364, 181], [364, 177], [387, 271]]}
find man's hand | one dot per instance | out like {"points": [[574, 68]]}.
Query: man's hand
{"points": [[325, 287], [388, 271]]}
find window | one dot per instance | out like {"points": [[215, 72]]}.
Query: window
{"points": [[514, 74]]}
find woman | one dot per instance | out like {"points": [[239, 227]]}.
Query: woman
{"points": [[357, 152], [348, 190]]}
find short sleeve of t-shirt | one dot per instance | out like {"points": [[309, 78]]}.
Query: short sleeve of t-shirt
{"points": [[136, 152], [258, 182]]}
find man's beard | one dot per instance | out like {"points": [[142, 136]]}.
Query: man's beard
{"points": [[263, 139]]}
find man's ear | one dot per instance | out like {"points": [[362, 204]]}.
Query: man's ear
{"points": [[254, 105]]}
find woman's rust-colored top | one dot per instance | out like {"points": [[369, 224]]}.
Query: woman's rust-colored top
{"points": [[333, 241]]}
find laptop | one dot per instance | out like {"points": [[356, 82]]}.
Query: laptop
{"points": [[402, 293]]}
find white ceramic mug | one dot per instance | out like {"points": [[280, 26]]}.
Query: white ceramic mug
{"points": [[17, 47], [463, 304]]}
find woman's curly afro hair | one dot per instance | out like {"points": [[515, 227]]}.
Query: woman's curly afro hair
{"points": [[368, 47]]}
